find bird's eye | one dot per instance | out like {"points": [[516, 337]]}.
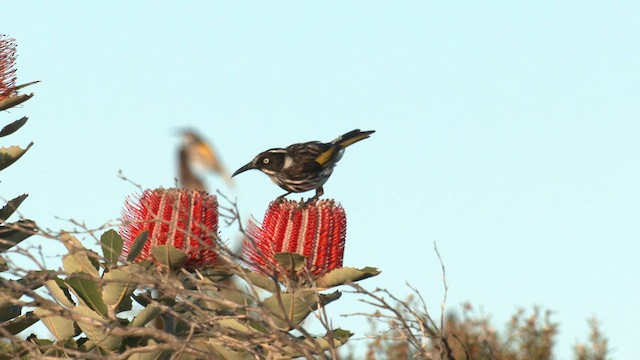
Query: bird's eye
{"points": [[265, 161]]}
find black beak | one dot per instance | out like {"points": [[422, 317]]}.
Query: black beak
{"points": [[249, 166]]}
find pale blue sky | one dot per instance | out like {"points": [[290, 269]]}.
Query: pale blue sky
{"points": [[508, 133]]}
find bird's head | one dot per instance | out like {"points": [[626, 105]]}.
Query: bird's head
{"points": [[269, 162]]}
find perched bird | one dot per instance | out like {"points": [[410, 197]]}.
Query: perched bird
{"points": [[305, 166], [194, 152]]}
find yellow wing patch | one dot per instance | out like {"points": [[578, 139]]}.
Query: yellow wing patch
{"points": [[325, 156]]}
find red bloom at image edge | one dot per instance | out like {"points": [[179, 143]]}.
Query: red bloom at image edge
{"points": [[7, 70], [317, 231], [186, 219]]}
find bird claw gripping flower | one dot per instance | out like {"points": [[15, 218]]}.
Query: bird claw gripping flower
{"points": [[316, 230], [305, 166], [185, 219]]}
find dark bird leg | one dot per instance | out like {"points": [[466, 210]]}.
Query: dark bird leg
{"points": [[319, 192], [281, 197]]}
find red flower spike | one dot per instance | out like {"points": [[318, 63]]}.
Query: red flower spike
{"points": [[317, 231], [186, 219], [7, 70]]}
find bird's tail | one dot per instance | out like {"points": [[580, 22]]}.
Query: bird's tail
{"points": [[352, 137]]}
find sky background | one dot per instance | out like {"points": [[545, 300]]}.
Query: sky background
{"points": [[506, 133]]}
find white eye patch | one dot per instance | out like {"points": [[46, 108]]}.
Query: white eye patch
{"points": [[265, 161]]}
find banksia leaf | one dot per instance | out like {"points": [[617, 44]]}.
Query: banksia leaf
{"points": [[11, 154], [169, 256], [90, 293], [118, 288], [331, 340], [145, 316], [138, 244], [184, 219], [13, 127], [11, 207], [20, 323], [111, 243], [344, 276], [13, 234], [96, 333], [59, 290], [293, 308], [61, 327], [316, 231], [77, 260]]}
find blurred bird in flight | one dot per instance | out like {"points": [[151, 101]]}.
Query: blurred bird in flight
{"points": [[195, 152]]}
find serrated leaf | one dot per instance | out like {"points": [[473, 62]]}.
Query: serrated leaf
{"points": [[118, 289], [97, 334], [145, 316], [11, 154], [20, 323], [294, 308], [11, 207], [8, 103], [58, 289], [14, 233], [137, 246], [169, 256], [9, 311], [61, 327], [90, 293], [291, 261], [13, 127], [111, 246], [344, 276]]}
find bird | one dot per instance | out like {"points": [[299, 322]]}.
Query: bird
{"points": [[304, 166], [195, 152]]}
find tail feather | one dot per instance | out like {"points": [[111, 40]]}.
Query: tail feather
{"points": [[352, 137]]}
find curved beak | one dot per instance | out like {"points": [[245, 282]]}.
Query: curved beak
{"points": [[249, 166]]}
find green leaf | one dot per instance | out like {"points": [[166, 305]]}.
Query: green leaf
{"points": [[118, 289], [261, 281], [13, 127], [9, 311], [14, 233], [294, 308], [77, 260], [145, 316], [152, 354], [11, 154], [344, 276], [59, 290], [137, 246], [11, 207], [20, 323], [332, 339], [61, 327], [97, 333], [90, 293], [169, 256], [111, 246], [8, 103], [291, 261]]}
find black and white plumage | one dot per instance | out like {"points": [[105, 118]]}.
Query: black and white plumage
{"points": [[304, 166]]}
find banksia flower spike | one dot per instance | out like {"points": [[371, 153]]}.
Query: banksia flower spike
{"points": [[185, 219], [7, 70], [316, 231]]}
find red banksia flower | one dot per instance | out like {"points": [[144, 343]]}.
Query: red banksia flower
{"points": [[317, 231], [7, 70], [186, 219]]}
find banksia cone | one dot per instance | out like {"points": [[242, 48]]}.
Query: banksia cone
{"points": [[186, 219], [7, 70], [317, 231]]}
